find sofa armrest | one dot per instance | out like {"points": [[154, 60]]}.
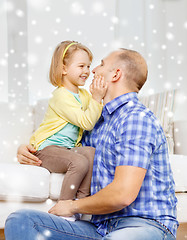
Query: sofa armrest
{"points": [[19, 182]]}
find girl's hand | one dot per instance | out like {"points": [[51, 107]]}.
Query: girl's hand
{"points": [[98, 88], [25, 155]]}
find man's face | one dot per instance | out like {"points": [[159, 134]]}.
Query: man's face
{"points": [[105, 69]]}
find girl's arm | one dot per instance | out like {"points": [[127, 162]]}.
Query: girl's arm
{"points": [[71, 110]]}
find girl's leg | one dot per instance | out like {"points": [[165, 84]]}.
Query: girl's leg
{"points": [[61, 160], [89, 153]]}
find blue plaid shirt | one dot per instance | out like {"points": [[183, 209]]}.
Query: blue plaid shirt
{"points": [[128, 133]]}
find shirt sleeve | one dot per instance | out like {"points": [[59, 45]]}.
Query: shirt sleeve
{"points": [[135, 141], [70, 110], [85, 139]]}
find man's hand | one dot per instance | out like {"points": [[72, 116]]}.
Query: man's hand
{"points": [[25, 155], [64, 208], [98, 88]]}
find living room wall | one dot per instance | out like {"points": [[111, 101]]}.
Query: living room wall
{"points": [[32, 28]]}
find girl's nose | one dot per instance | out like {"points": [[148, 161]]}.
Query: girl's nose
{"points": [[87, 70]]}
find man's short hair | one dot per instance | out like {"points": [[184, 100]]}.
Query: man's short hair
{"points": [[135, 67]]}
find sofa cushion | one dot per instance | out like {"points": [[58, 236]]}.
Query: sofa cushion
{"points": [[8, 207], [162, 105], [39, 111], [16, 127], [23, 182], [180, 133], [181, 207], [55, 185]]}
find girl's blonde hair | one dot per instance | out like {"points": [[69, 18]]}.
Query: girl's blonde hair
{"points": [[57, 62]]}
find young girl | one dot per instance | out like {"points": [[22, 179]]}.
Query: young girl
{"points": [[70, 111]]}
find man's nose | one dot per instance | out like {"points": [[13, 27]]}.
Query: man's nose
{"points": [[93, 71]]}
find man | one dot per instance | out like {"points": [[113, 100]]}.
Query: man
{"points": [[132, 189]]}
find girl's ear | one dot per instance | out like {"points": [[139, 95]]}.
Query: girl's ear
{"points": [[117, 75], [64, 69]]}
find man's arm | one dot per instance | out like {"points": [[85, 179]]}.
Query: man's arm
{"points": [[114, 197]]}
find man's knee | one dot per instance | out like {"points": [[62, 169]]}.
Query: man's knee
{"points": [[15, 219], [18, 215], [22, 216]]}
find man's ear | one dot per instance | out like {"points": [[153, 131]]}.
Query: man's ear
{"points": [[117, 75], [64, 69]]}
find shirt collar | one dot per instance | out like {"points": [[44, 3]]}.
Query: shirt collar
{"points": [[119, 101]]}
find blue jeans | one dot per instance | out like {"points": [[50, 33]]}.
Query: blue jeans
{"points": [[36, 225]]}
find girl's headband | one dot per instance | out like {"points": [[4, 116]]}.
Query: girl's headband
{"points": [[65, 50]]}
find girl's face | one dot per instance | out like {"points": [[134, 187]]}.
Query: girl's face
{"points": [[78, 69]]}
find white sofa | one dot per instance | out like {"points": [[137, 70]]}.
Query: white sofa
{"points": [[23, 186]]}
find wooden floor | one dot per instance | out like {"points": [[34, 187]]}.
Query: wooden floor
{"points": [[2, 237], [181, 233]]}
